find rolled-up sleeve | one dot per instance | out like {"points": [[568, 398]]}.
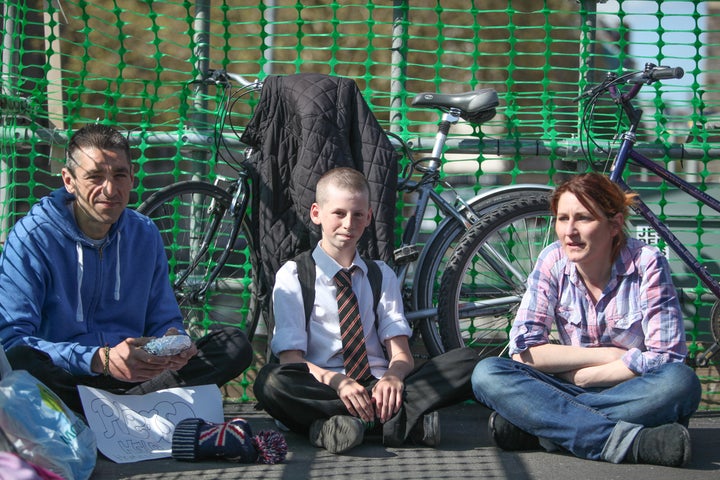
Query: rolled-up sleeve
{"points": [[536, 314], [392, 322], [289, 312], [663, 327]]}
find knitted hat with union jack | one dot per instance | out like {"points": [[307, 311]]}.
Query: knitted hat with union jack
{"points": [[195, 439]]}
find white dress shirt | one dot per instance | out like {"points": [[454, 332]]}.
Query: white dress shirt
{"points": [[320, 340]]}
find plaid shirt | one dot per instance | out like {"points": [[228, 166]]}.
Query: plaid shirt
{"points": [[638, 310]]}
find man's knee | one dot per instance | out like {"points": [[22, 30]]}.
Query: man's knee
{"points": [[232, 344], [23, 357]]}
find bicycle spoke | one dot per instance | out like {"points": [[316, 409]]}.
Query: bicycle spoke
{"points": [[210, 263], [486, 276]]}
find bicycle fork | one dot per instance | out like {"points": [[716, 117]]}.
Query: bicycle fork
{"points": [[237, 210]]}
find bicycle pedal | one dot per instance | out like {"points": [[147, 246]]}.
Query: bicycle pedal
{"points": [[406, 254]]}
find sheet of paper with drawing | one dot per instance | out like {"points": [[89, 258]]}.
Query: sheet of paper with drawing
{"points": [[132, 428]]}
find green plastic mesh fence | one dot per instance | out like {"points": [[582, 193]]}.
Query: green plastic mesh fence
{"points": [[139, 65]]}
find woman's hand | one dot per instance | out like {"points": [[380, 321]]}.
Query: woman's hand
{"points": [[607, 375], [554, 358]]}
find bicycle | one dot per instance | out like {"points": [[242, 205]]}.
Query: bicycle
{"points": [[212, 258], [472, 277]]}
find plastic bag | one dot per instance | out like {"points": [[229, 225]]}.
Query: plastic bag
{"points": [[12, 466], [43, 430]]}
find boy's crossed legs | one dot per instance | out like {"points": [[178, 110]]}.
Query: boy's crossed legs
{"points": [[291, 395]]}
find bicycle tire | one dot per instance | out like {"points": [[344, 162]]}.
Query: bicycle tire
{"points": [[481, 289], [182, 212], [433, 261]]}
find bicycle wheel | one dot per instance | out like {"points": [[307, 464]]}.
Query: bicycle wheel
{"points": [[486, 276], [702, 359], [188, 214], [437, 253]]}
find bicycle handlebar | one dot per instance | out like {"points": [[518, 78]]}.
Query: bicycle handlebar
{"points": [[651, 73], [665, 73], [224, 78]]}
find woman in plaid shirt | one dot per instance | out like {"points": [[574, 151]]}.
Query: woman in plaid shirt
{"points": [[615, 388]]}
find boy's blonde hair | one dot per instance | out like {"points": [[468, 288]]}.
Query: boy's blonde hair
{"points": [[344, 178]]}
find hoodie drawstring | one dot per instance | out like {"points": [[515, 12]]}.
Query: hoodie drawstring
{"points": [[117, 268], [80, 272]]}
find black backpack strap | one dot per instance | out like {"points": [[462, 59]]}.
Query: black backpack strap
{"points": [[375, 279], [306, 275]]}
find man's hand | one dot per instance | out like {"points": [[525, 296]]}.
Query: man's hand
{"points": [[129, 362]]}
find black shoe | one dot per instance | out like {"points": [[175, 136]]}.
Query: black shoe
{"points": [[427, 430], [337, 434], [667, 445], [509, 437]]}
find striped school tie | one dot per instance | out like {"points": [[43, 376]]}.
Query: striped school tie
{"points": [[353, 337]]}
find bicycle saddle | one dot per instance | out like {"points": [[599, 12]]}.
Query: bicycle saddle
{"points": [[475, 107]]}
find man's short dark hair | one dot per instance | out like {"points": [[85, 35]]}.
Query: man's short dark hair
{"points": [[101, 137]]}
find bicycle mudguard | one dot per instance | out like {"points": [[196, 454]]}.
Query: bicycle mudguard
{"points": [[487, 196]]}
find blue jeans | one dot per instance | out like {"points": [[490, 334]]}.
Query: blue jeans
{"points": [[592, 423]]}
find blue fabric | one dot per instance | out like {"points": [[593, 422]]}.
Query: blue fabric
{"points": [[68, 296], [593, 423]]}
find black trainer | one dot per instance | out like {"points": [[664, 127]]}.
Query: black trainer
{"points": [[667, 445], [337, 434], [427, 430], [509, 437]]}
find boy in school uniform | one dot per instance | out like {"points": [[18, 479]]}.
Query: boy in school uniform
{"points": [[336, 383]]}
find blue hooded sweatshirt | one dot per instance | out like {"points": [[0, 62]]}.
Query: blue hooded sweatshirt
{"points": [[65, 295]]}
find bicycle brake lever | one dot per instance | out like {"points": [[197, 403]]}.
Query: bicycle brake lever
{"points": [[609, 79], [214, 77]]}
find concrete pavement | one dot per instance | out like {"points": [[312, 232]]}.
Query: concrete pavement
{"points": [[465, 452]]}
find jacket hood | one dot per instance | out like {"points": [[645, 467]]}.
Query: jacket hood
{"points": [[55, 209]]}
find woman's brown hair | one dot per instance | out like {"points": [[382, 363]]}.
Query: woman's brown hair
{"points": [[603, 199]]}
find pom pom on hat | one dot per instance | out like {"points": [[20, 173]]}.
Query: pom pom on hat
{"points": [[271, 447], [195, 439]]}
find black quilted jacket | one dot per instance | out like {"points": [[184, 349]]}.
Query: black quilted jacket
{"points": [[304, 125]]}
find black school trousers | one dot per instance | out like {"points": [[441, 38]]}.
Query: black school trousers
{"points": [[292, 395]]}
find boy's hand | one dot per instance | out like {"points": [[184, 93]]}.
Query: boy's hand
{"points": [[356, 399], [387, 396]]}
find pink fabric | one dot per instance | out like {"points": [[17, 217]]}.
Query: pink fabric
{"points": [[12, 467]]}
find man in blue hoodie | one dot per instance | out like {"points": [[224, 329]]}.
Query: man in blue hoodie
{"points": [[84, 286]]}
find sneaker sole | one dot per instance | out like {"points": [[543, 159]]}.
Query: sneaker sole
{"points": [[337, 434], [431, 423]]}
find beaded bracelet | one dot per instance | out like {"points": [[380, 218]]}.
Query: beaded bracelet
{"points": [[106, 364]]}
